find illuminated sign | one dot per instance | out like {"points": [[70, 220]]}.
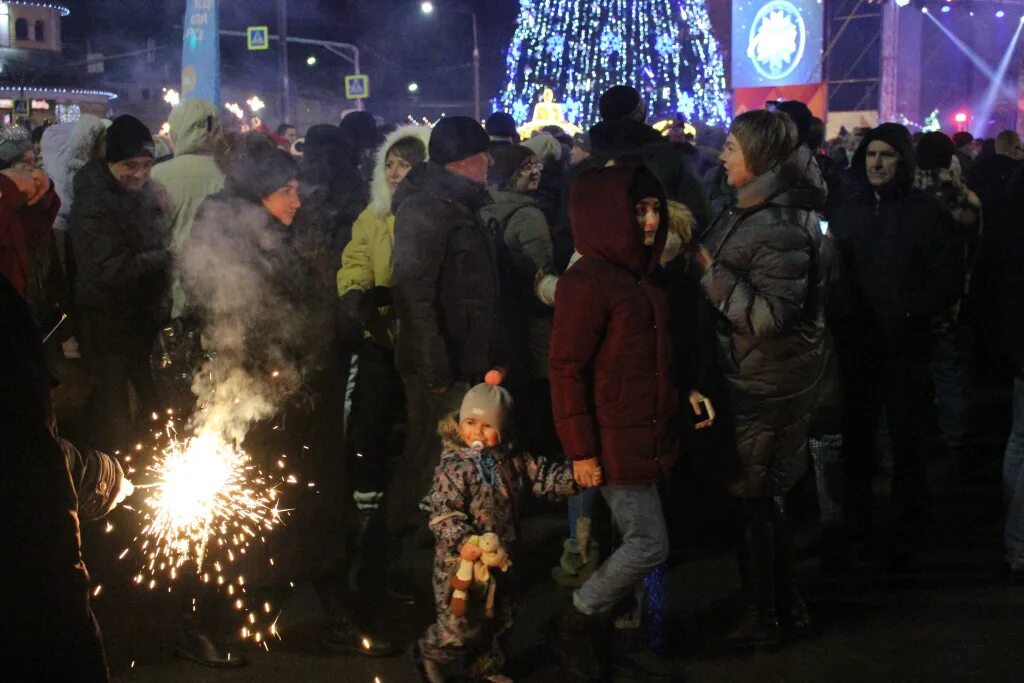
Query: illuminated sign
{"points": [[776, 42]]}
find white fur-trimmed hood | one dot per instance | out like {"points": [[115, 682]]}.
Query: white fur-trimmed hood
{"points": [[380, 193]]}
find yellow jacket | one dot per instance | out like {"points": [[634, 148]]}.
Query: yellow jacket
{"points": [[366, 260]]}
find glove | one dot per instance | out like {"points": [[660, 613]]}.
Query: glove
{"points": [[381, 297], [352, 317], [126, 489]]}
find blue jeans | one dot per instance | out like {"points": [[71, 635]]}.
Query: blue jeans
{"points": [[638, 517], [1013, 480], [948, 368], [581, 505]]}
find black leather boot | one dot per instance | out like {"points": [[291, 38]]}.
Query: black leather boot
{"points": [[341, 635], [759, 625], [198, 647], [576, 639], [796, 619]]}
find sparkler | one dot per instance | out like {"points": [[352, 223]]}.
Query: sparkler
{"points": [[206, 504], [205, 487]]}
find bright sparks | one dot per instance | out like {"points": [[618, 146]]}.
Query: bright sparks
{"points": [[204, 488], [206, 504]]}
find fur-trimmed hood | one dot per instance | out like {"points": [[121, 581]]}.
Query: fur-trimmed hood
{"points": [[66, 148], [380, 193]]}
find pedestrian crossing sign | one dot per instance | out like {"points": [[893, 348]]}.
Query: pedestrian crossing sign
{"points": [[258, 37], [357, 87]]}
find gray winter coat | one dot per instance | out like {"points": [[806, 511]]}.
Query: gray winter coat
{"points": [[524, 247], [445, 280], [766, 282]]}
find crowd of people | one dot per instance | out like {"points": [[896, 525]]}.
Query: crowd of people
{"points": [[461, 317]]}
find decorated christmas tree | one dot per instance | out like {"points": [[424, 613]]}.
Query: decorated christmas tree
{"points": [[579, 48]]}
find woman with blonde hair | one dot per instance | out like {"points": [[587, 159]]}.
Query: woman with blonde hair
{"points": [[364, 285]]}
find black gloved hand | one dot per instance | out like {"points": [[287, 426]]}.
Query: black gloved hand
{"points": [[381, 297], [353, 315]]}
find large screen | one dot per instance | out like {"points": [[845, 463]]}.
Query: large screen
{"points": [[776, 42]]}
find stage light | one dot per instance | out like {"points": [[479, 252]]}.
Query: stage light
{"points": [[960, 117], [902, 3], [945, 8], [924, 10], [1000, 14], [427, 7]]}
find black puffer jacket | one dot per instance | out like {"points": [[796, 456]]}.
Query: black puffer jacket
{"points": [[668, 161], [445, 277], [120, 239], [766, 282], [901, 255]]}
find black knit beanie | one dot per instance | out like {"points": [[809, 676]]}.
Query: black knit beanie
{"points": [[457, 137], [801, 115], [646, 185], [507, 160], [935, 150], [360, 129], [128, 138], [621, 102], [501, 125]]}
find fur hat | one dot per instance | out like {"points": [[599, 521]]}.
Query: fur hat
{"points": [[488, 402], [457, 137], [128, 138], [261, 171], [621, 102], [14, 141]]}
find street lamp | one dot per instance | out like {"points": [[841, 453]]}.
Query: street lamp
{"points": [[427, 7], [311, 61], [414, 88]]}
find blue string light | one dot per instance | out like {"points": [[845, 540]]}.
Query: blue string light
{"points": [[580, 48]]}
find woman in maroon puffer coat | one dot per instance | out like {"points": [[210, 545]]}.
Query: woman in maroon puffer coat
{"points": [[611, 387]]}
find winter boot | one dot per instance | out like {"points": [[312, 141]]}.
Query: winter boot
{"points": [[633, 659], [794, 615], [759, 625], [576, 639], [198, 647], [430, 671], [573, 569], [341, 635]]}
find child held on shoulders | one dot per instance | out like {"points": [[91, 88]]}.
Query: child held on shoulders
{"points": [[474, 506]]}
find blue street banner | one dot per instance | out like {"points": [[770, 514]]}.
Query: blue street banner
{"points": [[200, 51]]}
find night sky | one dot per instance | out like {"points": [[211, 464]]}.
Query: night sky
{"points": [[398, 43]]}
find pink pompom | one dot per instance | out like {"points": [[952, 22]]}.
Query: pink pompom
{"points": [[494, 377]]}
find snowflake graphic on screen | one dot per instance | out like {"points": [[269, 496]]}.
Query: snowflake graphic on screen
{"points": [[777, 39], [555, 45], [611, 42], [665, 45]]}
